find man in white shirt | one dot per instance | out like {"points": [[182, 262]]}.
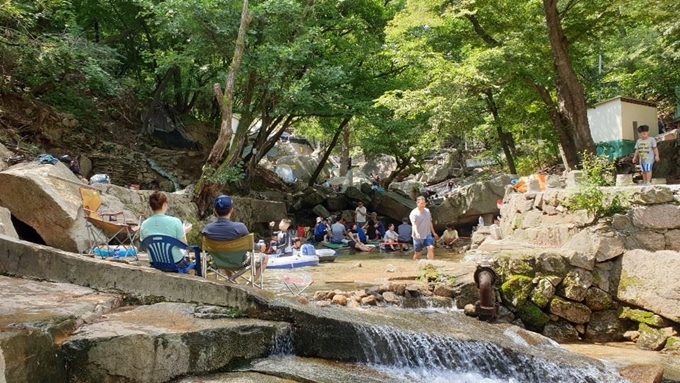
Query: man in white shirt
{"points": [[360, 214], [423, 230]]}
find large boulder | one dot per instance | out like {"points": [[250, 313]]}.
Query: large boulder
{"points": [[393, 205], [6, 226], [46, 198], [382, 165], [466, 204], [303, 166], [605, 326], [648, 280]]}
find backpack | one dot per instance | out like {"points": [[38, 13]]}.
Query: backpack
{"points": [[308, 249]]}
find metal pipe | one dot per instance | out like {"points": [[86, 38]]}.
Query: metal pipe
{"points": [[486, 307]]}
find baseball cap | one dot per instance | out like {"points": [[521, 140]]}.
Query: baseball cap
{"points": [[223, 202]]}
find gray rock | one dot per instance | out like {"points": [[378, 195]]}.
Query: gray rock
{"points": [[160, 342], [382, 165], [312, 197], [642, 316], [6, 226], [605, 326], [354, 194], [642, 373], [561, 331], [336, 202], [673, 240], [576, 284], [645, 282], [651, 338], [321, 211], [543, 293], [571, 311], [598, 300], [46, 198], [647, 195], [442, 290], [393, 205], [601, 279], [390, 297], [466, 204], [574, 179], [666, 216], [646, 240]]}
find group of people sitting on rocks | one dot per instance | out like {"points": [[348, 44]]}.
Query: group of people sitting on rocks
{"points": [[367, 227]]}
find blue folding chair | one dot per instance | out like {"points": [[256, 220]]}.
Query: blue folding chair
{"points": [[160, 248]]}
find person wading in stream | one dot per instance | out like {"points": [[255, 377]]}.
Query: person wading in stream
{"points": [[423, 230]]}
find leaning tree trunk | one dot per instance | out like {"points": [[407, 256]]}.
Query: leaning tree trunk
{"points": [[344, 151], [207, 187], [329, 149], [570, 93], [493, 108], [565, 135]]}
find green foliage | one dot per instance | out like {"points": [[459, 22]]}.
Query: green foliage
{"points": [[598, 170], [592, 199], [429, 273], [225, 174]]}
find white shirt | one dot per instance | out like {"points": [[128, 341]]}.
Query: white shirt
{"points": [[361, 214]]}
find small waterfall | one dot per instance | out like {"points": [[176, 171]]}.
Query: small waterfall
{"points": [[161, 171], [434, 358], [282, 343]]}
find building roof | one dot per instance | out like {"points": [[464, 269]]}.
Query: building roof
{"points": [[629, 100]]}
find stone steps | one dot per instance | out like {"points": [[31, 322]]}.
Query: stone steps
{"points": [[160, 342]]}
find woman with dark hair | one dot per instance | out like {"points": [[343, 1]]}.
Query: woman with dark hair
{"points": [[161, 224]]}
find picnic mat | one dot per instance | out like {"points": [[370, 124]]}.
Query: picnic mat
{"points": [[333, 245]]}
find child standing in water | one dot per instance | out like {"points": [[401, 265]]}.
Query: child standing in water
{"points": [[647, 152]]}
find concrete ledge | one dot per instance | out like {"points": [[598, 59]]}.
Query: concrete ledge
{"points": [[26, 259]]}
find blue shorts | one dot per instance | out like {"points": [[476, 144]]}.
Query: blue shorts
{"points": [[418, 244], [646, 166]]}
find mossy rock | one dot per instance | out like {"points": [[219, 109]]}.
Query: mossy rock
{"points": [[642, 316], [516, 290], [532, 316], [543, 293], [672, 344], [516, 264]]}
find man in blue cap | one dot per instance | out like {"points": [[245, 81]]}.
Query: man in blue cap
{"points": [[224, 229]]}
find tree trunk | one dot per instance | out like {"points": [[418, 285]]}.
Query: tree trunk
{"points": [[567, 145], [327, 154], [402, 164], [208, 188], [570, 93], [505, 145], [344, 151]]}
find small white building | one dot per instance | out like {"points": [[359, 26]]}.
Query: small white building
{"points": [[614, 122]]}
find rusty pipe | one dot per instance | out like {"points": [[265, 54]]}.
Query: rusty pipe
{"points": [[485, 307]]}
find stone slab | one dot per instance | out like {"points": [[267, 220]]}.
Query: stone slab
{"points": [[33, 315], [157, 343], [649, 280], [26, 259]]}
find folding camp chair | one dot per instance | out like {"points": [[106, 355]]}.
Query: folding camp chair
{"points": [[160, 249], [297, 284], [109, 233], [231, 259]]}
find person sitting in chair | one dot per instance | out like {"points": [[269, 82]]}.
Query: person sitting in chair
{"points": [[404, 233], [224, 229], [161, 224]]}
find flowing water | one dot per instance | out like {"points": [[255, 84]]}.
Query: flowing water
{"points": [[428, 344]]}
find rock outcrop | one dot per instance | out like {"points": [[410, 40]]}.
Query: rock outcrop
{"points": [[46, 198], [649, 280], [466, 204]]}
